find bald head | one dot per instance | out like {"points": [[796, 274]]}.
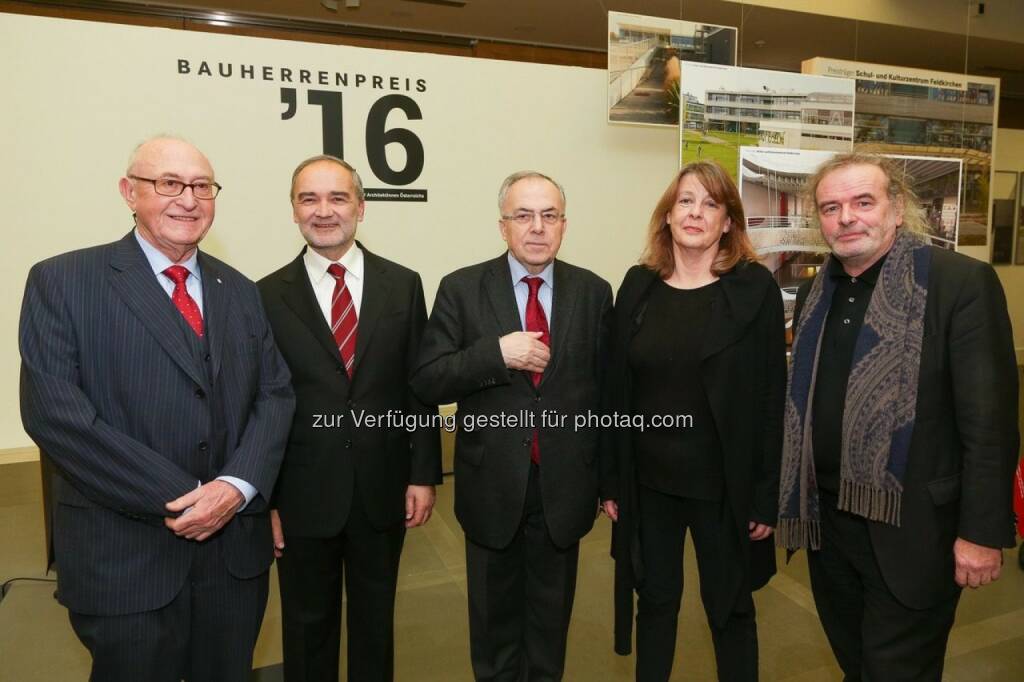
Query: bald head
{"points": [[155, 149]]}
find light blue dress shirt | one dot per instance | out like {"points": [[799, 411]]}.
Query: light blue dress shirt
{"points": [[194, 283], [522, 290]]}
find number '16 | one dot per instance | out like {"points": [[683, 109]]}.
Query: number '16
{"points": [[377, 137]]}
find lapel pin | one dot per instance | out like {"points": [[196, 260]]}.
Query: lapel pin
{"points": [[218, 281]]}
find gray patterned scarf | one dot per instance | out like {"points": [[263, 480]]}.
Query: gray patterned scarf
{"points": [[881, 398]]}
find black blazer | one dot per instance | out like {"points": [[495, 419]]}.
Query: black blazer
{"points": [[963, 451], [112, 391], [743, 370], [461, 362], [328, 454]]}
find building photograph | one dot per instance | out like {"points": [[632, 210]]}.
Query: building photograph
{"points": [[725, 108], [644, 55], [910, 111]]}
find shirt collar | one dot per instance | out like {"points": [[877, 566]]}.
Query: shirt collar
{"points": [[316, 265], [869, 276], [519, 271], [159, 262]]}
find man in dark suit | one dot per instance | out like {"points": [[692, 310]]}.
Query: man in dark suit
{"points": [[900, 482], [363, 455], [520, 343], [151, 379]]}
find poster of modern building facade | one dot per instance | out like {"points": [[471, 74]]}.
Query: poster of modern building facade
{"points": [[644, 54], [727, 107], [780, 218], [900, 110]]}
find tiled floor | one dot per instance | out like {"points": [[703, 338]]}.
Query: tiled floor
{"points": [[36, 642]]}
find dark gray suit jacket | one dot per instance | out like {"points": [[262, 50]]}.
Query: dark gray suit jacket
{"points": [[460, 361], [114, 392]]}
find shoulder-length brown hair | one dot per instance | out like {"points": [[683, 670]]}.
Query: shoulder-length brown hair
{"points": [[734, 245]]}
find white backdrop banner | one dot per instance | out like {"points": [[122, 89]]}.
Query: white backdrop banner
{"points": [[432, 136]]}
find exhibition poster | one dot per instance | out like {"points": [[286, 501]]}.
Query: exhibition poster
{"points": [[727, 107], [644, 56], [900, 110]]}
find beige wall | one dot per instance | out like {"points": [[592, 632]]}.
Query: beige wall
{"points": [[1010, 157], [97, 89]]}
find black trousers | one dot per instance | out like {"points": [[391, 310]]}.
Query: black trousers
{"points": [[874, 637], [664, 520], [311, 572], [206, 634], [520, 600]]}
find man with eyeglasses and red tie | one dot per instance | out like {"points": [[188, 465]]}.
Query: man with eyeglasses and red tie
{"points": [[151, 379], [519, 342], [348, 323]]}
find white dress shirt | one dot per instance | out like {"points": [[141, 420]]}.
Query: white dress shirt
{"points": [[323, 281]]}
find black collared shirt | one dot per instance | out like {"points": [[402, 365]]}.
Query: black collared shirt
{"points": [[845, 317]]}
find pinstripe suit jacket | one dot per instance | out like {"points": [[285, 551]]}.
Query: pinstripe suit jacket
{"points": [[132, 417]]}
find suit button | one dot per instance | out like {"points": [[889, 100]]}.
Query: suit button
{"points": [[206, 357], [536, 399], [202, 446], [527, 442], [348, 444], [200, 393], [339, 369]]}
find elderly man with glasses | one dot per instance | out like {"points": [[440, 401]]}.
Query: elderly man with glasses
{"points": [[519, 342], [151, 379]]}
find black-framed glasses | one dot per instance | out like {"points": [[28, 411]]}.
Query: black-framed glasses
{"points": [[169, 187]]}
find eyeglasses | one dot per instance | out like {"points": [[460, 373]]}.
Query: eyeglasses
{"points": [[526, 217], [170, 187]]}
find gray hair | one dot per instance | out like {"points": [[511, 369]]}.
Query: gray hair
{"points": [[898, 186], [332, 159], [523, 175]]}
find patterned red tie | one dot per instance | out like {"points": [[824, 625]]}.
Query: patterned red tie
{"points": [[536, 321], [182, 300], [343, 318]]}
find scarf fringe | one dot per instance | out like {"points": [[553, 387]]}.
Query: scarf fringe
{"points": [[872, 503], [795, 534]]}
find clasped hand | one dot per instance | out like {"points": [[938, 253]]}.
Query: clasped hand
{"points": [[524, 350], [205, 510]]}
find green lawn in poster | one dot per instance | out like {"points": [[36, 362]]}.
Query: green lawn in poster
{"points": [[716, 145]]}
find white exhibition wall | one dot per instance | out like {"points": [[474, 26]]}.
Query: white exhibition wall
{"points": [[80, 95]]}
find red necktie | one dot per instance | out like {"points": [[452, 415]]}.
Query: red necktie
{"points": [[182, 300], [343, 318], [536, 321]]}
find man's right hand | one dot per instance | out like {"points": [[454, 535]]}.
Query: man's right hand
{"points": [[524, 350], [275, 529]]}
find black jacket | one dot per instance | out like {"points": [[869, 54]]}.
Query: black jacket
{"points": [[328, 451], [461, 361], [743, 370], [963, 451]]}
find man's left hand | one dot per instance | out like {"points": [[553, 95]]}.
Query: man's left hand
{"points": [[759, 531], [419, 502], [976, 565], [209, 507]]}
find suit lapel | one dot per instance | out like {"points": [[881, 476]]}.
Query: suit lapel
{"points": [[563, 304], [215, 311], [133, 280], [731, 312], [298, 295], [498, 285], [376, 291]]}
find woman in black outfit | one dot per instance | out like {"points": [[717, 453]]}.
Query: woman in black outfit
{"points": [[699, 351]]}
